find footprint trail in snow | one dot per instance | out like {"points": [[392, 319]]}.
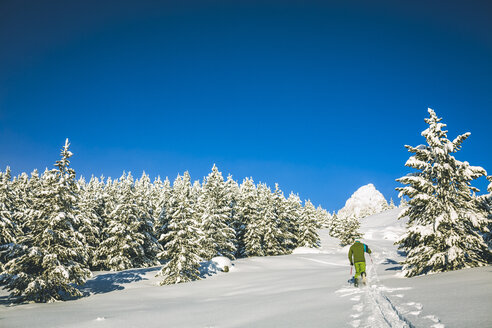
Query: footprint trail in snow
{"points": [[373, 307]]}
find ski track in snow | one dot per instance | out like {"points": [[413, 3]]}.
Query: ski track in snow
{"points": [[375, 309]]}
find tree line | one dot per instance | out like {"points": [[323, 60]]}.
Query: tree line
{"points": [[56, 229]]}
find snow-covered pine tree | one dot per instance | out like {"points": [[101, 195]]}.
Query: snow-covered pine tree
{"points": [[489, 210], [162, 222], [335, 228], [486, 204], [248, 212], [219, 235], [349, 231], [144, 199], [196, 192], [286, 237], [268, 227], [182, 241], [90, 206], [129, 241], [386, 206], [25, 189], [323, 217], [197, 206], [445, 226], [345, 228], [332, 218], [54, 256], [8, 227], [234, 221], [253, 242], [109, 198], [155, 196], [391, 204], [232, 191], [308, 227], [143, 192], [159, 195], [293, 210]]}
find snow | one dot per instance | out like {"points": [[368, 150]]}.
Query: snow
{"points": [[305, 289], [306, 250], [367, 200], [221, 262]]}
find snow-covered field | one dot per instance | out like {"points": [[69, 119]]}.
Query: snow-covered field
{"points": [[306, 289]]}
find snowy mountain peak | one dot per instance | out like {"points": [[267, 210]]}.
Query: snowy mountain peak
{"points": [[367, 200]]}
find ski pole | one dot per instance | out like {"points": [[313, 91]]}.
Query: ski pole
{"points": [[350, 270]]}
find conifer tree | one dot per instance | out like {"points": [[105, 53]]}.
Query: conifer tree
{"points": [[486, 205], [144, 195], [335, 226], [283, 221], [308, 226], [234, 221], [268, 227], [162, 221], [8, 227], [248, 212], [90, 207], [159, 195], [403, 203], [219, 235], [293, 210], [146, 208], [129, 241], [198, 208], [391, 204], [182, 241], [156, 198], [54, 253], [445, 225], [348, 230], [323, 217], [24, 189], [196, 192], [109, 199]]}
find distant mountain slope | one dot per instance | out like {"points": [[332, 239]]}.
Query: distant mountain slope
{"points": [[367, 200]]}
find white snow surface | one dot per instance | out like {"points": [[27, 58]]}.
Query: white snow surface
{"points": [[306, 289], [367, 200], [221, 262]]}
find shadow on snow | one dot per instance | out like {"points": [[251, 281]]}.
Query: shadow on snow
{"points": [[393, 268], [108, 282], [112, 281]]}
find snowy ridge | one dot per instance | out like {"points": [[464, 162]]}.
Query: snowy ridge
{"points": [[367, 200]]}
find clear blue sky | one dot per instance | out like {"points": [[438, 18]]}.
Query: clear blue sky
{"points": [[319, 96]]}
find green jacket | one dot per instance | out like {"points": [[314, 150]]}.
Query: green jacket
{"points": [[356, 252]]}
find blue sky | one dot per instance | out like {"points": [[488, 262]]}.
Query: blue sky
{"points": [[319, 96]]}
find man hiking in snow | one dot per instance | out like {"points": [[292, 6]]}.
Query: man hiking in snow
{"points": [[356, 256]]}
